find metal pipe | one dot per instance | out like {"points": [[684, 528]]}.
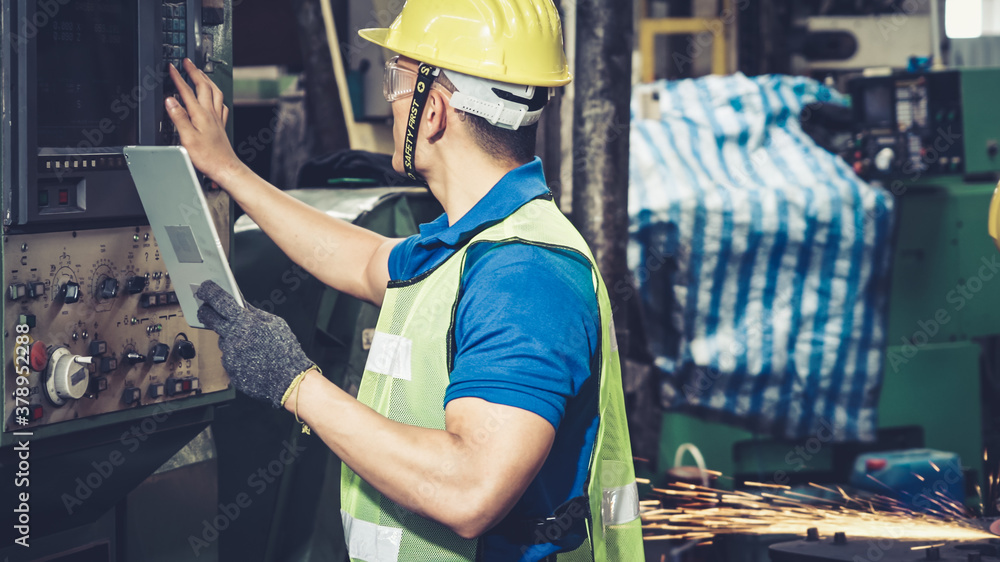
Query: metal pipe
{"points": [[936, 62], [603, 86]]}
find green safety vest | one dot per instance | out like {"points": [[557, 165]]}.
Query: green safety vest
{"points": [[405, 378]]}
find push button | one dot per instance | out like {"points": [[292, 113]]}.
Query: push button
{"points": [[26, 319], [38, 356], [36, 289], [132, 395], [107, 364], [98, 347], [16, 290]]}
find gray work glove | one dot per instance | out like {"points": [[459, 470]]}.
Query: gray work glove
{"points": [[259, 350]]}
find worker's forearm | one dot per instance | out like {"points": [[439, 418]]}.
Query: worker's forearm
{"points": [[334, 251], [428, 471]]}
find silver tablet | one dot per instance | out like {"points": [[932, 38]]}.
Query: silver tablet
{"points": [[184, 231]]}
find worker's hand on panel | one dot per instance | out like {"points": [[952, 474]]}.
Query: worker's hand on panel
{"points": [[259, 350], [201, 124]]}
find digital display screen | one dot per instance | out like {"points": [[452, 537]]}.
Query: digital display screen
{"points": [[878, 105], [88, 92]]}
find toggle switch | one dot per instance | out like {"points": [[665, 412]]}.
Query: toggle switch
{"points": [[132, 358]]}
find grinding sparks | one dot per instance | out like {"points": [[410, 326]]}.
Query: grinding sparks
{"points": [[690, 512]]}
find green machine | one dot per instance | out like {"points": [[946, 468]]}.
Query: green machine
{"points": [[932, 140], [107, 392]]}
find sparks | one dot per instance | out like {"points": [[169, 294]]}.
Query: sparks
{"points": [[698, 513]]}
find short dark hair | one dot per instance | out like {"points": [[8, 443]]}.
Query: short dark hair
{"points": [[514, 146]]}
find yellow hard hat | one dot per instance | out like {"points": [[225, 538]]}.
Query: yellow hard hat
{"points": [[513, 41], [994, 220]]}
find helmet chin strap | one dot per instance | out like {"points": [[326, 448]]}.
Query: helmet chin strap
{"points": [[425, 78]]}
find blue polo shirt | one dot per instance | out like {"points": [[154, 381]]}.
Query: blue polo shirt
{"points": [[527, 335]]}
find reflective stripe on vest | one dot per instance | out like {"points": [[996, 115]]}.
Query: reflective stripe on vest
{"points": [[405, 380]]}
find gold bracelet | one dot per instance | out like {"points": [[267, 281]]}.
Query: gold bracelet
{"points": [[298, 391], [296, 386]]}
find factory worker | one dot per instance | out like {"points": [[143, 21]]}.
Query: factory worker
{"points": [[490, 423]]}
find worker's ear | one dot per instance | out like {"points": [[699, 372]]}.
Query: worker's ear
{"points": [[436, 115]]}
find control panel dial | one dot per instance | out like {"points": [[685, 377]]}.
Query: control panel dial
{"points": [[67, 376]]}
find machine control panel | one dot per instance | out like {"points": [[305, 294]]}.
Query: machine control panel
{"points": [[912, 125], [104, 333], [909, 124]]}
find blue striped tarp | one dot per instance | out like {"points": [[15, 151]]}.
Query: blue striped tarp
{"points": [[762, 260]]}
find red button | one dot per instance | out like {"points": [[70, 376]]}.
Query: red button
{"points": [[36, 413], [186, 386], [63, 197], [872, 465], [38, 356]]}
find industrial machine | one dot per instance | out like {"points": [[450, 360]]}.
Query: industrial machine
{"points": [[935, 123], [931, 139], [103, 380]]}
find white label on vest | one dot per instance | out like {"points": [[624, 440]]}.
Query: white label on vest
{"points": [[370, 542], [390, 355]]}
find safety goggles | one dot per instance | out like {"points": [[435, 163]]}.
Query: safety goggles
{"points": [[399, 82]]}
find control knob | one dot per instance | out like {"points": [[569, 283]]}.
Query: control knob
{"points": [[185, 349], [67, 376], [70, 292], [884, 159], [108, 288]]}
